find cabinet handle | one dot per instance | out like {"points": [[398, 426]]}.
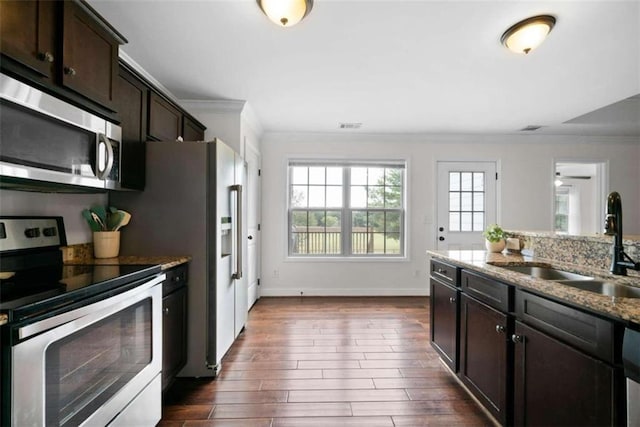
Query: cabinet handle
{"points": [[45, 56], [452, 300], [69, 71], [442, 271], [165, 310], [177, 279], [517, 338], [500, 329]]}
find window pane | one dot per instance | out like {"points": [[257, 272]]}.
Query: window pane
{"points": [[454, 181], [392, 222], [393, 197], [358, 197], [478, 202], [466, 202], [316, 197], [334, 197], [316, 221], [316, 175], [376, 222], [393, 243], [393, 177], [478, 221], [299, 221], [478, 181], [334, 176], [359, 220], [454, 221], [299, 243], [299, 196], [333, 221], [358, 176], [466, 181], [375, 176], [466, 223], [299, 175], [378, 245], [376, 196], [454, 201]]}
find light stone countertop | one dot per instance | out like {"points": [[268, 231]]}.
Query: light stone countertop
{"points": [[617, 308]]}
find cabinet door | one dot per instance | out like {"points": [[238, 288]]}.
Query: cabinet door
{"points": [[90, 56], [27, 31], [131, 103], [444, 322], [484, 355], [165, 120], [174, 334], [556, 385], [191, 131]]}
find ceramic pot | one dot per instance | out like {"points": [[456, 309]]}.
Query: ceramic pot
{"points": [[495, 246], [106, 244]]}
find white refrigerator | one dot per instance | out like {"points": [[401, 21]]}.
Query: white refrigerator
{"points": [[192, 205]]}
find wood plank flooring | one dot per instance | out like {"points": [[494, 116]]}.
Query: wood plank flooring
{"points": [[307, 362]]}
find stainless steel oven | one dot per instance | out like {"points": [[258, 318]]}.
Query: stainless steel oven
{"points": [[83, 343], [96, 365], [49, 143]]}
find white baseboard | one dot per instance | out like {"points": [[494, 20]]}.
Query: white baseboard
{"points": [[352, 292]]}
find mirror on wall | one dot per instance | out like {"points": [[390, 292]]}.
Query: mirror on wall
{"points": [[579, 197]]}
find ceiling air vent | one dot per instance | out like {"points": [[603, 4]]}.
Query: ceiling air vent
{"points": [[530, 128], [350, 125]]}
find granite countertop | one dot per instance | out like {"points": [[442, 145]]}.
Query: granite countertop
{"points": [[166, 262], [3, 319], [617, 308]]}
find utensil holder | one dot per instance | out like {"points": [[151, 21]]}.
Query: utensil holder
{"points": [[106, 244]]}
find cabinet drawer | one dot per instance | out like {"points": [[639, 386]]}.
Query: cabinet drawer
{"points": [[589, 333], [176, 278], [496, 294], [445, 272]]}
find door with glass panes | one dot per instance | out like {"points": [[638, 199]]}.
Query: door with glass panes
{"points": [[466, 203]]}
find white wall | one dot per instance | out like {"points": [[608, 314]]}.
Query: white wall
{"points": [[68, 206], [525, 195]]}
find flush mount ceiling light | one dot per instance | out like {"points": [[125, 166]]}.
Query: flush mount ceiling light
{"points": [[528, 34], [286, 13]]}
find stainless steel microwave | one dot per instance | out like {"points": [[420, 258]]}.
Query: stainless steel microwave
{"points": [[47, 144]]}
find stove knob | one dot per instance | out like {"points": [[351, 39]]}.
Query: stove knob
{"points": [[49, 231], [32, 232]]}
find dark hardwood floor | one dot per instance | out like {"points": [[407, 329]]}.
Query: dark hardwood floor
{"points": [[328, 362]]}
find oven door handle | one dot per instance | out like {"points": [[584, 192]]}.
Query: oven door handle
{"points": [[55, 321]]}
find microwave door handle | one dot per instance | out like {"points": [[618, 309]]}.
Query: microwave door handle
{"points": [[102, 139], [238, 221]]}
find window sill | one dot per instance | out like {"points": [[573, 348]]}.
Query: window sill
{"points": [[346, 259]]}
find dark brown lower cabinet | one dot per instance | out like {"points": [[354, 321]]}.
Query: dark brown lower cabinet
{"points": [[485, 356], [444, 322], [174, 334], [556, 385]]}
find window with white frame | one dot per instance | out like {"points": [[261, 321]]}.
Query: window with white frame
{"points": [[346, 209]]}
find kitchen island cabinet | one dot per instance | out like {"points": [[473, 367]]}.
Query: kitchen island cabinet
{"points": [[444, 312]]}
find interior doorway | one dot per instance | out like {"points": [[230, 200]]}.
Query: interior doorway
{"points": [[579, 195]]}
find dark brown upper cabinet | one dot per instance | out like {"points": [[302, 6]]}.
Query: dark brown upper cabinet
{"points": [[89, 55], [63, 47], [27, 31], [165, 120], [131, 95], [191, 130]]}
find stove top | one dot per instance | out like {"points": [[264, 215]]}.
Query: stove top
{"points": [[41, 290], [35, 282]]}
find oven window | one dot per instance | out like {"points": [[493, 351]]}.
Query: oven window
{"points": [[87, 368]]}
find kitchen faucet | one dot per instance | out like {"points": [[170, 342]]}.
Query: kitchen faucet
{"points": [[620, 261]]}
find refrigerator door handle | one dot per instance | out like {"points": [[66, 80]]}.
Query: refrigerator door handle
{"points": [[238, 246]]}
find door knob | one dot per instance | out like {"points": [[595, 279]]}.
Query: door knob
{"points": [[441, 229], [250, 237], [441, 238]]}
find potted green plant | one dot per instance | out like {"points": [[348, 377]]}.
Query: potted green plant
{"points": [[495, 238]]}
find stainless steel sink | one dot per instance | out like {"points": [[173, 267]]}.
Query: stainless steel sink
{"points": [[605, 288], [546, 273]]}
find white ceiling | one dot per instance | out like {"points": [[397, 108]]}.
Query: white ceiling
{"points": [[396, 66]]}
